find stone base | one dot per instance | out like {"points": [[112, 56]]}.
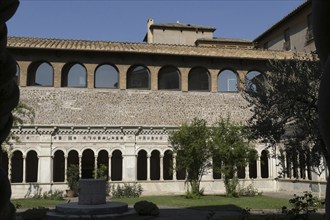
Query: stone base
{"points": [[110, 210]]}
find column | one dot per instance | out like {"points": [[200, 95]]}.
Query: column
{"points": [[161, 167], [270, 167], [247, 172], [148, 167], [95, 167], [184, 79], [258, 168], [9, 169], [214, 80], [285, 166], [65, 167], [24, 169], [174, 167], [80, 166], [109, 167]]}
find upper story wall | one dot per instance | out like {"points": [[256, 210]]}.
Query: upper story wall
{"points": [[293, 32]]}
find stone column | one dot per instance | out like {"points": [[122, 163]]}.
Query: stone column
{"points": [[90, 71], [148, 166], [214, 80], [109, 167], [184, 79], [57, 67], [9, 169], [80, 166], [161, 170], [270, 167], [65, 167], [95, 167], [241, 79], [174, 167], [154, 78], [122, 77], [247, 172], [24, 169], [258, 168], [23, 69]]}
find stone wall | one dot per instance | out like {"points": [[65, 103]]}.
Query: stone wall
{"points": [[88, 107]]}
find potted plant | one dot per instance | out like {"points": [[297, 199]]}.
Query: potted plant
{"points": [[72, 179]]}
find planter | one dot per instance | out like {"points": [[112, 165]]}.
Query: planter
{"points": [[70, 193]]}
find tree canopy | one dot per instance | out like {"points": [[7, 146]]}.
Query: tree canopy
{"points": [[284, 107]]}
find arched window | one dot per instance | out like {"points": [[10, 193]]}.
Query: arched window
{"points": [[58, 166], [73, 158], [106, 76], [198, 79], [180, 172], [103, 161], [216, 163], [117, 165], [17, 167], [138, 78], [241, 172], [252, 79], [74, 75], [227, 81], [142, 165], [253, 169], [169, 78], [167, 165], [40, 74], [264, 164], [87, 164], [155, 165], [17, 75], [31, 164]]}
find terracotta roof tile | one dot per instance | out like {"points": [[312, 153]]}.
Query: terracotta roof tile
{"points": [[126, 47]]}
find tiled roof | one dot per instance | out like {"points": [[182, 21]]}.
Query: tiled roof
{"points": [[181, 26], [143, 48], [291, 14]]}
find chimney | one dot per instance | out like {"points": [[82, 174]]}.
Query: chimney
{"points": [[149, 33]]}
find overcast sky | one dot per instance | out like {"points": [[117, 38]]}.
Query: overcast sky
{"points": [[123, 20]]}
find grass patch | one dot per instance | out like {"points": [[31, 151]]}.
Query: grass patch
{"points": [[258, 202]]}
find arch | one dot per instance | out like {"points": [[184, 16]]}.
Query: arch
{"points": [[74, 75], [199, 79], [106, 76], [40, 73], [167, 165], [103, 161], [253, 169], [252, 79], [73, 158], [17, 75], [117, 165], [17, 167], [227, 81], [58, 166], [138, 77], [31, 164], [180, 172], [4, 161], [142, 165], [264, 164], [87, 164], [155, 165], [169, 78]]}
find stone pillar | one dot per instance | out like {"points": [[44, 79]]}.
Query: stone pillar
{"points": [[148, 166], [23, 70], [161, 170], [184, 79], [241, 79], [57, 67], [95, 167], [247, 172], [24, 169], [270, 166], [214, 80], [109, 167], [80, 166], [129, 159], [174, 167], [122, 77], [258, 168], [65, 167], [90, 71], [9, 168], [154, 78]]}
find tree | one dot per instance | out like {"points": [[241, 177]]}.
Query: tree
{"points": [[284, 107], [191, 143], [232, 147]]}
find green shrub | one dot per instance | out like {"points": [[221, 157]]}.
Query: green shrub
{"points": [[53, 195], [126, 190], [303, 206], [249, 191], [35, 214], [146, 208]]}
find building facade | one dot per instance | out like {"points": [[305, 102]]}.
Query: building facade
{"points": [[115, 104]]}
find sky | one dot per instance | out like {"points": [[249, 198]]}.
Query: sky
{"points": [[126, 21]]}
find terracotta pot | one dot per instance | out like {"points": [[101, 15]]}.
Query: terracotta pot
{"points": [[70, 193]]}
